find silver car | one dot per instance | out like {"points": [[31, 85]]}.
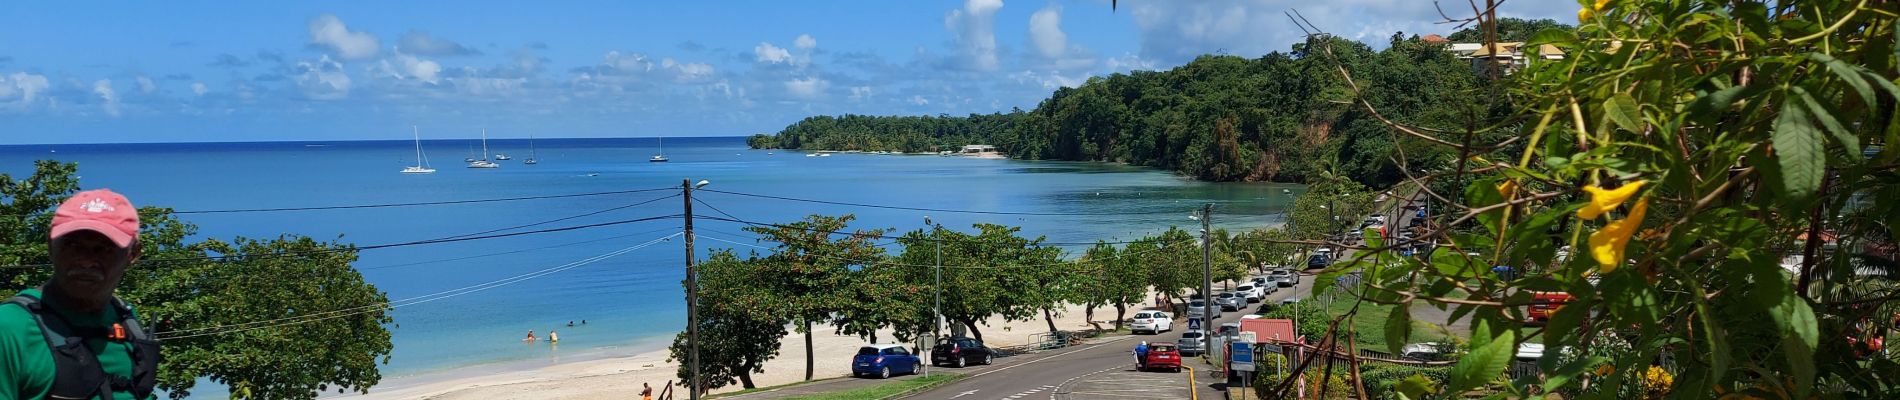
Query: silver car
{"points": [[1231, 301], [1192, 343]]}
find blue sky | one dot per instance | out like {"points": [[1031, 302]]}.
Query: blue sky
{"points": [[269, 71]]}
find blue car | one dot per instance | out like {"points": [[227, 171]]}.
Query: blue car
{"points": [[882, 360]]}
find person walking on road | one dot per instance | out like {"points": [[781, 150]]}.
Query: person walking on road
{"points": [[1141, 354], [71, 338]]}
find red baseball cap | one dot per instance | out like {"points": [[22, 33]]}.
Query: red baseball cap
{"points": [[100, 211]]}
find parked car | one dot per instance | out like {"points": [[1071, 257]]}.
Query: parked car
{"points": [[1228, 329], [1230, 301], [1290, 301], [882, 360], [1152, 322], [1192, 343], [1254, 294], [1319, 259], [961, 351], [1545, 304], [1162, 356], [1285, 278], [1198, 309]]}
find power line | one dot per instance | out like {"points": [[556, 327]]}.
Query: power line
{"points": [[339, 313], [376, 247], [615, 237], [943, 210], [872, 262], [426, 203], [763, 224], [567, 218]]}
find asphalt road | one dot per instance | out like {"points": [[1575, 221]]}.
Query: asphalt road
{"points": [[1102, 369]]}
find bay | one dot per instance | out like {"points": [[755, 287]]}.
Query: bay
{"points": [[632, 302]]}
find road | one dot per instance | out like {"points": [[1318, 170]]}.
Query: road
{"points": [[1102, 369]]}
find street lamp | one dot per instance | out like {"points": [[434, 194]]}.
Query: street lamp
{"points": [[692, 288]]}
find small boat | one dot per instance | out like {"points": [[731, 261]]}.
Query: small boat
{"points": [[530, 160], [824, 154], [419, 168], [503, 157], [662, 156], [483, 163], [811, 154]]}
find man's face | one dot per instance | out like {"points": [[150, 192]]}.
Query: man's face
{"points": [[86, 264]]}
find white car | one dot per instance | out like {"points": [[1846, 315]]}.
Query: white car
{"points": [[1153, 322], [1254, 294]]}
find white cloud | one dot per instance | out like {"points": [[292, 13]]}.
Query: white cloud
{"points": [[27, 86], [1045, 32], [860, 92], [110, 98], [975, 28], [688, 72], [198, 88], [418, 68], [145, 85], [805, 42], [919, 100], [767, 53], [420, 43], [809, 87], [328, 31], [630, 62], [323, 79]]}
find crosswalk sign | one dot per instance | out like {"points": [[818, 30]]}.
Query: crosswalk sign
{"points": [[1194, 324]]}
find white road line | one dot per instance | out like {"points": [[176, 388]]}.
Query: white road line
{"points": [[1104, 343]]}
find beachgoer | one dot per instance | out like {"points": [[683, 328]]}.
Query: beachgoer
{"points": [[530, 337], [1141, 354], [570, 323], [646, 393], [583, 322], [94, 238], [553, 337]]}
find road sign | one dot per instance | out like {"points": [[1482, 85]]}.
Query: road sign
{"points": [[1194, 324], [1242, 352]]}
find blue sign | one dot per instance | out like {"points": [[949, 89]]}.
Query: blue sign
{"points": [[1194, 324], [1241, 352]]}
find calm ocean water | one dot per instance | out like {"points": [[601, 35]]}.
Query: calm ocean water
{"points": [[633, 301]]}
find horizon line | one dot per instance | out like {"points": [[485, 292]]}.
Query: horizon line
{"points": [[353, 140]]}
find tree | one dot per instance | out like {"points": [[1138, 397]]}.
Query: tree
{"points": [[1110, 276], [807, 266], [329, 329], [740, 324]]}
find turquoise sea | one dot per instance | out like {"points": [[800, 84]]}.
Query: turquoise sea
{"points": [[631, 302]]}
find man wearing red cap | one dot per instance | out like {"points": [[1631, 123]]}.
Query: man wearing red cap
{"points": [[71, 338]]}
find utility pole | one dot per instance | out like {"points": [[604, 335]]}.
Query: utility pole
{"points": [[936, 318], [1207, 270], [692, 293]]}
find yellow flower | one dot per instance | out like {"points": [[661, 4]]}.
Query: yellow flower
{"points": [[1607, 243], [1583, 15], [1602, 200], [1605, 370], [1505, 189]]}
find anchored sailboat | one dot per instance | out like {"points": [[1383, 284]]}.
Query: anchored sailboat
{"points": [[421, 163], [483, 163]]}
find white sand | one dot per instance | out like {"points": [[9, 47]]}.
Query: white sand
{"points": [[621, 377]]}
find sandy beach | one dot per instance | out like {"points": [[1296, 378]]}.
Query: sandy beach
{"points": [[621, 377]]}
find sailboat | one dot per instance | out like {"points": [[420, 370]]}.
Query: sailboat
{"points": [[530, 160], [662, 156], [471, 153], [484, 163], [418, 168]]}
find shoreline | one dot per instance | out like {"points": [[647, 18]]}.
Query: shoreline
{"points": [[618, 375]]}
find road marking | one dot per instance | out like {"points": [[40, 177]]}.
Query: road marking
{"points": [[1103, 343], [965, 393]]}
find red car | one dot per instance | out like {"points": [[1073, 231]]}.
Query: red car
{"points": [[1544, 304], [1162, 356]]}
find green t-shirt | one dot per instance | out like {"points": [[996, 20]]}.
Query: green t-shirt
{"points": [[26, 363]]}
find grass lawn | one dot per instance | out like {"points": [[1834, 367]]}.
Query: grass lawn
{"points": [[1370, 323], [884, 390]]}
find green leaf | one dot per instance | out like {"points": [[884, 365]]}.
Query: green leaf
{"points": [[1417, 386], [1883, 83], [1623, 110], [1563, 38], [1715, 103], [1800, 335], [1398, 328], [1717, 339], [1485, 362], [1848, 73], [1826, 116], [1798, 149]]}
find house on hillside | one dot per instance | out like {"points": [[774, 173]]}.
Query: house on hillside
{"points": [[1508, 56]]}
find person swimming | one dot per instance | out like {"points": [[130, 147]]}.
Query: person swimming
{"points": [[530, 337], [553, 338]]}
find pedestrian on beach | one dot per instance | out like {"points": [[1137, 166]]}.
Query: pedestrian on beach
{"points": [[94, 238], [646, 393]]}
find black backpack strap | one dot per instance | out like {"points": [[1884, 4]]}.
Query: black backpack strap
{"points": [[144, 352]]}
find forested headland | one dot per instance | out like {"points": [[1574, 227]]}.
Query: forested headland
{"points": [[1282, 117]]}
